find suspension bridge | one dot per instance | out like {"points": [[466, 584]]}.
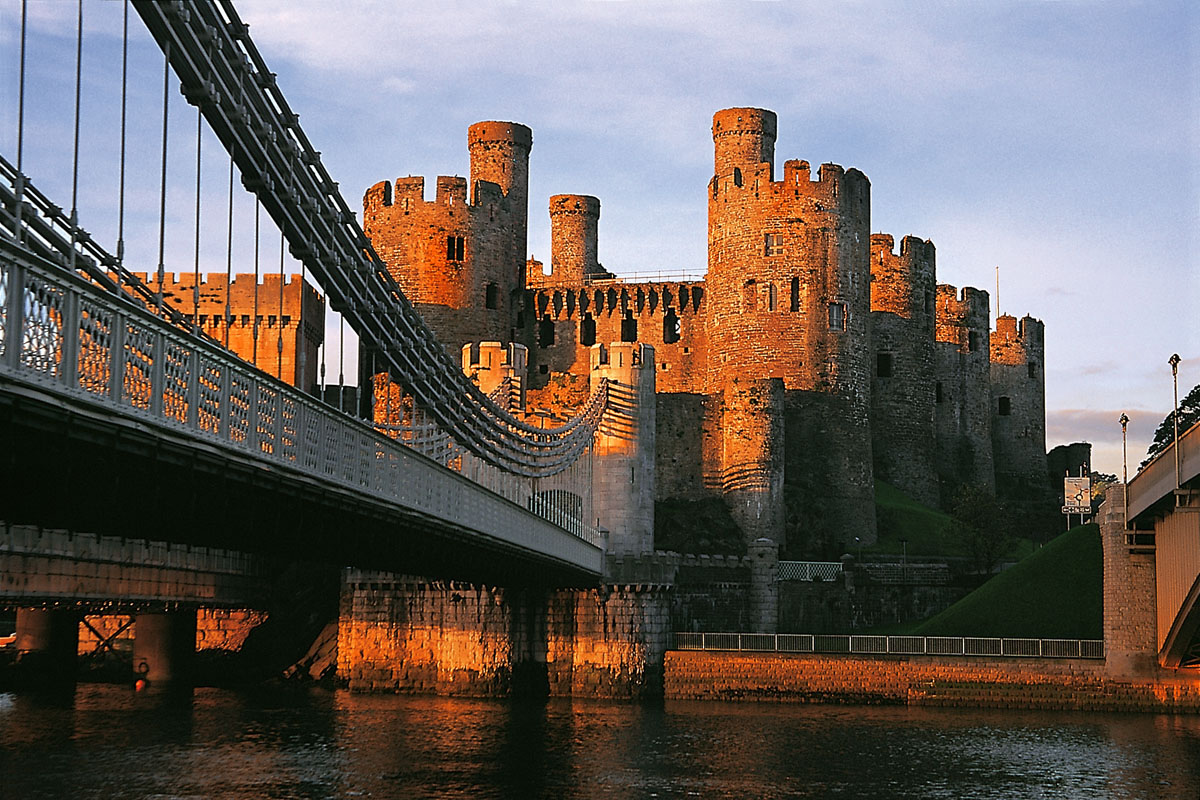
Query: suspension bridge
{"points": [[123, 415]]}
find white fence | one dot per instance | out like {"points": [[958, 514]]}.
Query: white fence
{"points": [[63, 334], [810, 570], [891, 645]]}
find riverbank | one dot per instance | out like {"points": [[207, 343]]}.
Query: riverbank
{"points": [[1044, 684]]}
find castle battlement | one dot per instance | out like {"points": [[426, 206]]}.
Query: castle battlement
{"points": [[963, 317], [1017, 342], [902, 283], [636, 299]]}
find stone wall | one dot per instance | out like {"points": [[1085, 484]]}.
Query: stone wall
{"points": [[1060, 684], [902, 389], [407, 634], [1019, 409], [1130, 596], [962, 408], [216, 629], [287, 316]]}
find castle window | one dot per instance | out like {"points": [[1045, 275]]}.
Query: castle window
{"points": [[928, 302], [972, 341], [491, 296], [773, 244], [749, 295], [546, 331], [1004, 406], [1032, 366], [629, 328], [939, 396], [587, 331], [837, 316], [772, 297], [883, 365], [455, 248], [544, 369], [737, 177], [795, 293], [671, 327]]}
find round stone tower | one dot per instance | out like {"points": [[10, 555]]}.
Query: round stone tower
{"points": [[574, 219], [743, 137], [789, 297], [1019, 407]]}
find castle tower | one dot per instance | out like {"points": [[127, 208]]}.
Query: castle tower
{"points": [[752, 414], [962, 389], [623, 452], [743, 138], [1018, 356], [787, 296], [574, 220], [461, 263], [902, 390]]}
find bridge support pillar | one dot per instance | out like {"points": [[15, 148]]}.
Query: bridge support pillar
{"points": [[163, 646], [47, 644]]}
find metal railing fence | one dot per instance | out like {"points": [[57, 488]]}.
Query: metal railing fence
{"points": [[868, 644], [60, 331]]}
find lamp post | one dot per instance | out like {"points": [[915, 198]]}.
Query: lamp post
{"points": [[1124, 468], [1174, 362]]}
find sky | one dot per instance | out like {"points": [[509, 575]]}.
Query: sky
{"points": [[1057, 141]]}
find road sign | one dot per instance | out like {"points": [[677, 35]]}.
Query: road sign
{"points": [[1077, 496]]}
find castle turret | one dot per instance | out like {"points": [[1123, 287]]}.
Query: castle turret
{"points": [[788, 297], [962, 395], [752, 415], [902, 390], [623, 452], [743, 138], [574, 220], [1019, 408], [460, 258]]}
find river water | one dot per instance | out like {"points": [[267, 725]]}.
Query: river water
{"points": [[106, 742]]}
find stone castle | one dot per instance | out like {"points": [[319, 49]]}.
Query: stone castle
{"points": [[812, 360]]}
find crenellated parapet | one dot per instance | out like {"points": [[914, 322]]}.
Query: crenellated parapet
{"points": [[460, 257], [903, 283]]}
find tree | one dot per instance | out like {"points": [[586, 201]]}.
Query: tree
{"points": [[1189, 415], [983, 524]]}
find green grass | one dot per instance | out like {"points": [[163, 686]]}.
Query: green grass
{"points": [[927, 530], [1053, 594]]}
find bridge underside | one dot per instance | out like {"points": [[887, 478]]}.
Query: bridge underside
{"points": [[68, 465]]}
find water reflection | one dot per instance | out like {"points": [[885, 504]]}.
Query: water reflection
{"points": [[107, 742]]}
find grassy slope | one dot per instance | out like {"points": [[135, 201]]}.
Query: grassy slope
{"points": [[1053, 594], [927, 530]]}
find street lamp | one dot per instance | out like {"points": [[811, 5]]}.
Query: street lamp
{"points": [[1174, 362], [1124, 468]]}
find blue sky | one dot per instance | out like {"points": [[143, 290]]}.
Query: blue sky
{"points": [[1058, 141]]}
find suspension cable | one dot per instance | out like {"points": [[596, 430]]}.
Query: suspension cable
{"points": [[124, 96], [75, 158], [196, 262], [229, 258], [279, 319], [257, 207], [20, 183], [301, 339], [162, 192]]}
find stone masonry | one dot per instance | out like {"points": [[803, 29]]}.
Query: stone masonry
{"points": [[882, 372]]}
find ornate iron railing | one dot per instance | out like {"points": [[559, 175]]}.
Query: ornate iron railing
{"points": [[852, 644], [61, 331]]}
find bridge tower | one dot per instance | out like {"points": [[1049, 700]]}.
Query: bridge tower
{"points": [[788, 297]]}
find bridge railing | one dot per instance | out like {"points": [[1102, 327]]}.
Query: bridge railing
{"points": [[62, 331], [852, 644]]}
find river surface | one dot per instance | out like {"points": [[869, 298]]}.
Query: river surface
{"points": [[106, 742]]}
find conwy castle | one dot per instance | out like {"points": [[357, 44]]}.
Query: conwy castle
{"points": [[812, 360]]}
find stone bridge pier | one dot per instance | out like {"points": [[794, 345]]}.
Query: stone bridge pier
{"points": [[408, 634]]}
